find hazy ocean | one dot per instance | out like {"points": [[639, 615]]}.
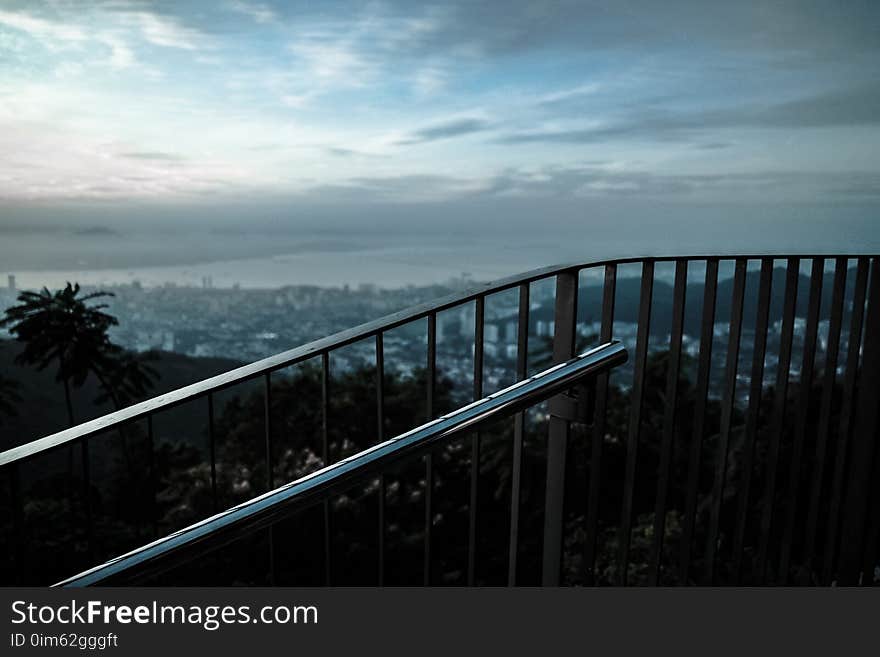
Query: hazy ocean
{"points": [[403, 254]]}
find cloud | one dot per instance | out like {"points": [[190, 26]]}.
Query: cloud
{"points": [[856, 105], [258, 12], [325, 90], [332, 61], [791, 28], [56, 35], [446, 130], [429, 80], [96, 231], [605, 182], [852, 106], [42, 29], [121, 56], [397, 189], [568, 94], [617, 182], [338, 151], [153, 155], [298, 101], [356, 47], [167, 32], [341, 152]]}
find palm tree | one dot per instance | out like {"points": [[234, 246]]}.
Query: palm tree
{"points": [[8, 397], [124, 377], [62, 327]]}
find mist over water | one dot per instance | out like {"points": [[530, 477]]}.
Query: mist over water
{"points": [[399, 245]]}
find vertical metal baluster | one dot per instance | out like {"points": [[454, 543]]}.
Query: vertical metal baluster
{"points": [[635, 418], [270, 465], [325, 455], [756, 386], [599, 421], [854, 341], [270, 461], [824, 427], [867, 417], [429, 463], [727, 401], [87, 498], [154, 476], [872, 529], [212, 449], [778, 422], [702, 390], [17, 523], [479, 313], [669, 415], [565, 317], [380, 437], [803, 403], [522, 358]]}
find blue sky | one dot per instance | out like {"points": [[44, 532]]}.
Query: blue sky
{"points": [[189, 103]]}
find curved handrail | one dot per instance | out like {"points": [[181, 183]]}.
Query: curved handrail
{"points": [[337, 340], [272, 506]]}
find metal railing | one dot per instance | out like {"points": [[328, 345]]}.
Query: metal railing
{"points": [[265, 510], [835, 520]]}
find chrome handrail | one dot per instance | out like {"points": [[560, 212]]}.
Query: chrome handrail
{"points": [[273, 505]]}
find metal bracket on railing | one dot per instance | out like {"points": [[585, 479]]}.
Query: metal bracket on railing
{"points": [[575, 405]]}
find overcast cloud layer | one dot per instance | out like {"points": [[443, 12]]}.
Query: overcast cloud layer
{"points": [[192, 103]]}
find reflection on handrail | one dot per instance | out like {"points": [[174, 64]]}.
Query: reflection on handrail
{"points": [[201, 537]]}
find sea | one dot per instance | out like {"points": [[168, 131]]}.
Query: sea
{"points": [[405, 254]]}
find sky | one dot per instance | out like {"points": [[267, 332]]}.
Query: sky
{"points": [[128, 115]]}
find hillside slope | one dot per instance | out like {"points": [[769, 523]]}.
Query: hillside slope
{"points": [[41, 410]]}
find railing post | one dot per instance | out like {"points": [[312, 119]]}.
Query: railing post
{"points": [[565, 316], [212, 450], [591, 528], [431, 367], [270, 466], [479, 330], [325, 461], [865, 433], [17, 505], [844, 431], [87, 499], [756, 388], [635, 419], [380, 437], [728, 400], [154, 477], [707, 326], [522, 359], [669, 419]]}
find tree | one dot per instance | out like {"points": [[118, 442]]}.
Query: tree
{"points": [[124, 377], [63, 327], [8, 397]]}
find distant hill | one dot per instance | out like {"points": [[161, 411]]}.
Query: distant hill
{"points": [[42, 411], [629, 292]]}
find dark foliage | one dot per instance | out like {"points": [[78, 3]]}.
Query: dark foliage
{"points": [[132, 504], [63, 328]]}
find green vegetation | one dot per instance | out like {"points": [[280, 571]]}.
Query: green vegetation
{"points": [[142, 488], [62, 328], [9, 397]]}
